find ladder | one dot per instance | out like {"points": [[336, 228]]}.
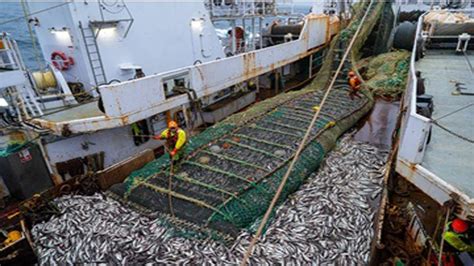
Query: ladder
{"points": [[25, 103], [92, 49]]}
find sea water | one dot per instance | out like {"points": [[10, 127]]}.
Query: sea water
{"points": [[18, 30]]}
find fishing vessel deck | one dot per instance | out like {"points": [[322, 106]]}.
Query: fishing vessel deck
{"points": [[436, 135], [82, 111], [448, 156]]}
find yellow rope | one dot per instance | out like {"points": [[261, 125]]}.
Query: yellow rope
{"points": [[302, 145], [170, 180], [170, 189]]}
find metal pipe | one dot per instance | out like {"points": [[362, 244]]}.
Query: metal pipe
{"points": [[468, 62], [244, 40], [443, 37], [234, 46], [253, 33], [260, 31]]}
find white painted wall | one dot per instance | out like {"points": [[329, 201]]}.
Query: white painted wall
{"points": [[117, 144], [162, 37], [131, 101]]}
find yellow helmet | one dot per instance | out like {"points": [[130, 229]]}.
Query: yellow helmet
{"points": [[172, 124], [351, 73], [12, 237]]}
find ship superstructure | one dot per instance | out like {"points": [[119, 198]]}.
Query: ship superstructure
{"points": [[117, 71]]}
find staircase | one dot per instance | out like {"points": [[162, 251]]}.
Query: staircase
{"points": [[93, 54], [26, 103]]}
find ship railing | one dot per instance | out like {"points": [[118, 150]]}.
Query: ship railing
{"points": [[429, 2], [415, 128], [24, 103], [229, 9], [111, 15], [248, 15], [123, 105], [12, 69], [10, 58]]}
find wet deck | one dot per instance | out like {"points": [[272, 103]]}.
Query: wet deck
{"points": [[82, 111], [378, 127], [450, 157]]}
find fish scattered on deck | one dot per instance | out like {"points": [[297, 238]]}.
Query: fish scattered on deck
{"points": [[329, 220]]}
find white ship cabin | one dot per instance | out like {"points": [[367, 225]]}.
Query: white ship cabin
{"points": [[118, 70]]}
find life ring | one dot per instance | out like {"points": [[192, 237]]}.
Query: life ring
{"points": [[61, 61]]}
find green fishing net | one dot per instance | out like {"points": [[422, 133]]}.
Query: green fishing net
{"points": [[387, 73], [231, 171]]}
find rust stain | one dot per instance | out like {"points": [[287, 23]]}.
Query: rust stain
{"points": [[44, 124], [313, 16], [118, 105], [65, 131], [124, 120], [49, 125], [249, 66], [328, 29], [55, 177], [335, 27], [412, 171]]}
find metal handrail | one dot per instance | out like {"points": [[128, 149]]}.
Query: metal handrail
{"points": [[412, 118]]}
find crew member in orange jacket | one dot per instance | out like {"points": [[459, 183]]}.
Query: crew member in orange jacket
{"points": [[354, 83]]}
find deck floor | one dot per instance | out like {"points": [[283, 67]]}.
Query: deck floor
{"points": [[448, 156], [87, 110]]}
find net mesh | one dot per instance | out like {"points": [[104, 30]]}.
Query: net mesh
{"points": [[230, 172], [386, 73]]}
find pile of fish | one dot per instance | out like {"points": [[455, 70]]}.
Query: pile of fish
{"points": [[328, 221]]}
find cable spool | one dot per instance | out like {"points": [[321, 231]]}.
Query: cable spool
{"points": [[44, 80]]}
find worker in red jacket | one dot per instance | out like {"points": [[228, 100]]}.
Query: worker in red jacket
{"points": [[456, 235], [354, 83], [175, 139]]}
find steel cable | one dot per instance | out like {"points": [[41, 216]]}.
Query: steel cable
{"points": [[453, 133], [455, 111]]}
